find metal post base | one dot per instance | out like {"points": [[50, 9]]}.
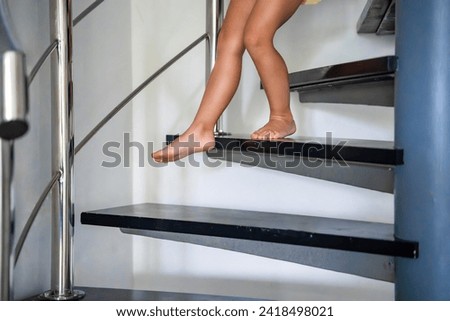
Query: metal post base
{"points": [[52, 295]]}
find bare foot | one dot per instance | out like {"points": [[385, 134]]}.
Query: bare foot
{"points": [[192, 141], [277, 127]]}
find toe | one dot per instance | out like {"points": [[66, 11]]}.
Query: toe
{"points": [[264, 134], [156, 156], [257, 134]]}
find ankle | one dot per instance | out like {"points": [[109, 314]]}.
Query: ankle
{"points": [[200, 128], [287, 116]]}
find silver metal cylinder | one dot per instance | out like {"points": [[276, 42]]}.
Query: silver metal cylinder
{"points": [[214, 19], [14, 107], [62, 154], [6, 221]]}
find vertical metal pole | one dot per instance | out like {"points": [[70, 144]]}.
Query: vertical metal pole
{"points": [[62, 154], [422, 119], [214, 19], [6, 221]]}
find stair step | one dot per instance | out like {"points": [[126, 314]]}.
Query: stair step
{"points": [[311, 149], [378, 17], [316, 232], [369, 82], [108, 294], [361, 163]]}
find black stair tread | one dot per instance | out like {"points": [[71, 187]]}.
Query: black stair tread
{"points": [[362, 70], [338, 149], [108, 294], [368, 237]]}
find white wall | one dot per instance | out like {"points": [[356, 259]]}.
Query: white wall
{"points": [[102, 79], [315, 36]]}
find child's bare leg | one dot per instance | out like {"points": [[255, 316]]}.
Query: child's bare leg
{"points": [[220, 89], [266, 18]]}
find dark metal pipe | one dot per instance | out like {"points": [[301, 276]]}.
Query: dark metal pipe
{"points": [[6, 220], [422, 121]]}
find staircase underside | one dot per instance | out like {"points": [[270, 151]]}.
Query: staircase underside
{"points": [[378, 17], [378, 267], [362, 248]]}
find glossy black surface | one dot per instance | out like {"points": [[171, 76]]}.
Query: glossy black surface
{"points": [[378, 91], [367, 237], [364, 82], [365, 70], [312, 148], [378, 177]]}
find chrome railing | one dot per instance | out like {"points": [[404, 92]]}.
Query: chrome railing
{"points": [[63, 149], [62, 154], [214, 19]]}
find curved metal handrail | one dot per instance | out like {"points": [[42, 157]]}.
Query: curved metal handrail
{"points": [[103, 122], [87, 11], [53, 46], [135, 92], [47, 189], [41, 61], [33, 215], [214, 8]]}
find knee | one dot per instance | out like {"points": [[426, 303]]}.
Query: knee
{"points": [[229, 43], [256, 42]]}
